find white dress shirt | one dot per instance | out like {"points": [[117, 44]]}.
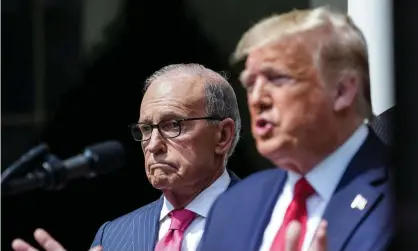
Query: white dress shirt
{"points": [[201, 206], [324, 178]]}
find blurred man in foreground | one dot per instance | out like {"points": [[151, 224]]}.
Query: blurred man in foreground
{"points": [[307, 81], [189, 125]]}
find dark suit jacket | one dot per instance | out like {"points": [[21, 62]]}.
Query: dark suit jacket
{"points": [[383, 125], [136, 231], [239, 216]]}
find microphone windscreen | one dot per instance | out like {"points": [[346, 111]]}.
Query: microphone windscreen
{"points": [[107, 156]]}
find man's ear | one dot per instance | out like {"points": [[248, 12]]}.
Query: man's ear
{"points": [[225, 135], [345, 91]]}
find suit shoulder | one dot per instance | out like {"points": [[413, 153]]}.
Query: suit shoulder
{"points": [[252, 184], [127, 218], [259, 177], [118, 231]]}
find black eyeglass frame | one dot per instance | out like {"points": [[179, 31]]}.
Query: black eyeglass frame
{"points": [[178, 121]]}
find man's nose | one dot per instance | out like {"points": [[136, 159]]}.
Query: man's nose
{"points": [[156, 142], [259, 97]]}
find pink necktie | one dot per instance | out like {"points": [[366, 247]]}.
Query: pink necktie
{"points": [[180, 220]]}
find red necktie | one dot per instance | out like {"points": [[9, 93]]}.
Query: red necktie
{"points": [[296, 211], [180, 220]]}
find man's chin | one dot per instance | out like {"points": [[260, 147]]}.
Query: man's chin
{"points": [[160, 186], [161, 182], [272, 149], [267, 147]]}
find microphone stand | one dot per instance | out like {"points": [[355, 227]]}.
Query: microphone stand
{"points": [[26, 162]]}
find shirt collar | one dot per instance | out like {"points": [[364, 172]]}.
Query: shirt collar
{"points": [[325, 176], [203, 202]]}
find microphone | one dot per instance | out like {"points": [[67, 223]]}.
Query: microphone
{"points": [[26, 162], [97, 159]]}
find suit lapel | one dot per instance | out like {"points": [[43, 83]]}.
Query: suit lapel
{"points": [[261, 212], [146, 226], [355, 196], [347, 209]]}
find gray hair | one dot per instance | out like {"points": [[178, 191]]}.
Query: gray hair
{"points": [[220, 96]]}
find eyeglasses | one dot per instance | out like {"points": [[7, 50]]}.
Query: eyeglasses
{"points": [[167, 128]]}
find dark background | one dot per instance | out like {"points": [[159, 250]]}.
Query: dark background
{"points": [[72, 74], [58, 90]]}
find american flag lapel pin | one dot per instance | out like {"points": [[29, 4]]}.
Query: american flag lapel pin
{"points": [[359, 202]]}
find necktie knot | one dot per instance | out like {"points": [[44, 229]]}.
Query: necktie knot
{"points": [[303, 189], [181, 219]]}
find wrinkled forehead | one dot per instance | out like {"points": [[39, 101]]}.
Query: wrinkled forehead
{"points": [[176, 95]]}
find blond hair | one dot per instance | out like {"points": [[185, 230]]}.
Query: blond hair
{"points": [[340, 47]]}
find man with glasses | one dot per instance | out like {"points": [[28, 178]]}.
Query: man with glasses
{"points": [[189, 125]]}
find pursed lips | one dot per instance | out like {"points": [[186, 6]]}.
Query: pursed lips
{"points": [[162, 164]]}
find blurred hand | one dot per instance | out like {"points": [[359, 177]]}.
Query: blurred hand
{"points": [[319, 243], [45, 240]]}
